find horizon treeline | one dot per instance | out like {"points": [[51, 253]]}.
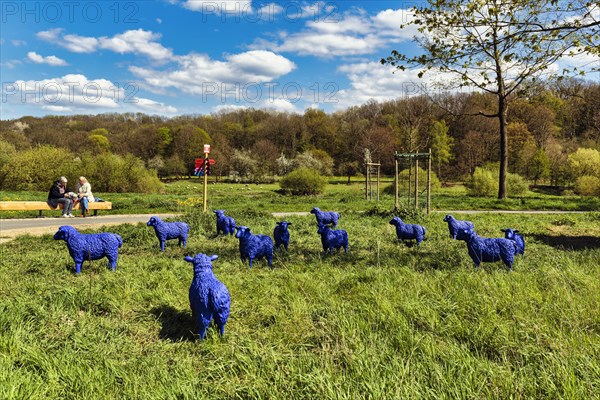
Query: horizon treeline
{"points": [[551, 122]]}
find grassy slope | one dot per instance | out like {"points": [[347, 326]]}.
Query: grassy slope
{"points": [[384, 321]]}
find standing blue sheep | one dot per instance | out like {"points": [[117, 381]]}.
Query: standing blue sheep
{"points": [[169, 230], [455, 225], [513, 234], [254, 246], [90, 246], [325, 217], [282, 235], [209, 298], [408, 231], [225, 223], [333, 238], [488, 249]]}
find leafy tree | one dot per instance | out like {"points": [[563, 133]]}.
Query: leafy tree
{"points": [[540, 166], [441, 144], [98, 143], [585, 162], [497, 46]]}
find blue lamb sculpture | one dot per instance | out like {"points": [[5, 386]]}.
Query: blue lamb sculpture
{"points": [[93, 246], [209, 298], [254, 246], [282, 235], [225, 223], [408, 231], [488, 249], [169, 230], [513, 234], [455, 225], [333, 238], [325, 217]]}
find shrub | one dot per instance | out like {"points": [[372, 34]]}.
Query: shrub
{"points": [[516, 185], [482, 183], [587, 185], [303, 181], [113, 173]]}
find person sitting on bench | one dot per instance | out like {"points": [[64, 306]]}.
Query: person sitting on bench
{"points": [[59, 194]]}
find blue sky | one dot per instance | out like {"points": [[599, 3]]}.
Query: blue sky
{"points": [[172, 57]]}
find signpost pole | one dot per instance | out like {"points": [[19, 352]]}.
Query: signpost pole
{"points": [[205, 189]]}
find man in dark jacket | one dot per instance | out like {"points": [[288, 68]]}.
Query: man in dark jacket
{"points": [[59, 195]]}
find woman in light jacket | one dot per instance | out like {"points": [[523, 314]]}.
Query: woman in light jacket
{"points": [[84, 193]]}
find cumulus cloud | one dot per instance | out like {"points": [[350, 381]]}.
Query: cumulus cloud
{"points": [[199, 74], [137, 41], [219, 6], [50, 60], [77, 93], [350, 34]]}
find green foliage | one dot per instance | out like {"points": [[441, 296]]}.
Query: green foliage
{"points": [[303, 181], [98, 143], [441, 144], [482, 183], [585, 162], [113, 173], [37, 168], [540, 166], [587, 185]]}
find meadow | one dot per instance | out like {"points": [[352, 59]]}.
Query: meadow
{"points": [[386, 321]]}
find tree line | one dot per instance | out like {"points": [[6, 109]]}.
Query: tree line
{"points": [[546, 125]]}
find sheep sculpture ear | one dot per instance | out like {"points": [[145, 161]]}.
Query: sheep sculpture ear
{"points": [[516, 231], [213, 257], [289, 223], [504, 230], [188, 259]]}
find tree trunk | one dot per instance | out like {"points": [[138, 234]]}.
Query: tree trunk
{"points": [[502, 106]]}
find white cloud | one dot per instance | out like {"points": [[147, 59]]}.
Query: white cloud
{"points": [[18, 43], [50, 60], [350, 34], [136, 41], [199, 74], [77, 93], [219, 6]]}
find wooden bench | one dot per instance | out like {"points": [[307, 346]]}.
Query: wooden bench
{"points": [[43, 206]]}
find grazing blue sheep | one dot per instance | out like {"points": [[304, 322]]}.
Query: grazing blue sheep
{"points": [[209, 298], [225, 223], [254, 246], [455, 225], [325, 217], [169, 230], [408, 231], [333, 238], [282, 235], [513, 234], [90, 246], [488, 249]]}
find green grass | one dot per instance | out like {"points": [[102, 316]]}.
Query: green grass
{"points": [[385, 321], [180, 195]]}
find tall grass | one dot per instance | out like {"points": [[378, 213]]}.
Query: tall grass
{"points": [[384, 321]]}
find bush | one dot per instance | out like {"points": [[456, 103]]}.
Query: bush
{"points": [[482, 183], [516, 185], [303, 181], [113, 173], [587, 186]]}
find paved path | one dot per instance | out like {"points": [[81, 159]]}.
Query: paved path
{"points": [[11, 228]]}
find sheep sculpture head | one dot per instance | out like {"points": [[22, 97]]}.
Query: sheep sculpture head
{"points": [[201, 261], [242, 231], [153, 221], [64, 233]]}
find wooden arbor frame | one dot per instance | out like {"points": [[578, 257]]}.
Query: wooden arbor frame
{"points": [[369, 180], [410, 158]]}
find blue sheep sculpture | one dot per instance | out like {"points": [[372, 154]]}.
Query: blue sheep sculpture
{"points": [[93, 246], [325, 217], [169, 230], [513, 234], [254, 246], [455, 225], [209, 297], [488, 249], [408, 231], [332, 238], [225, 224], [282, 235]]}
